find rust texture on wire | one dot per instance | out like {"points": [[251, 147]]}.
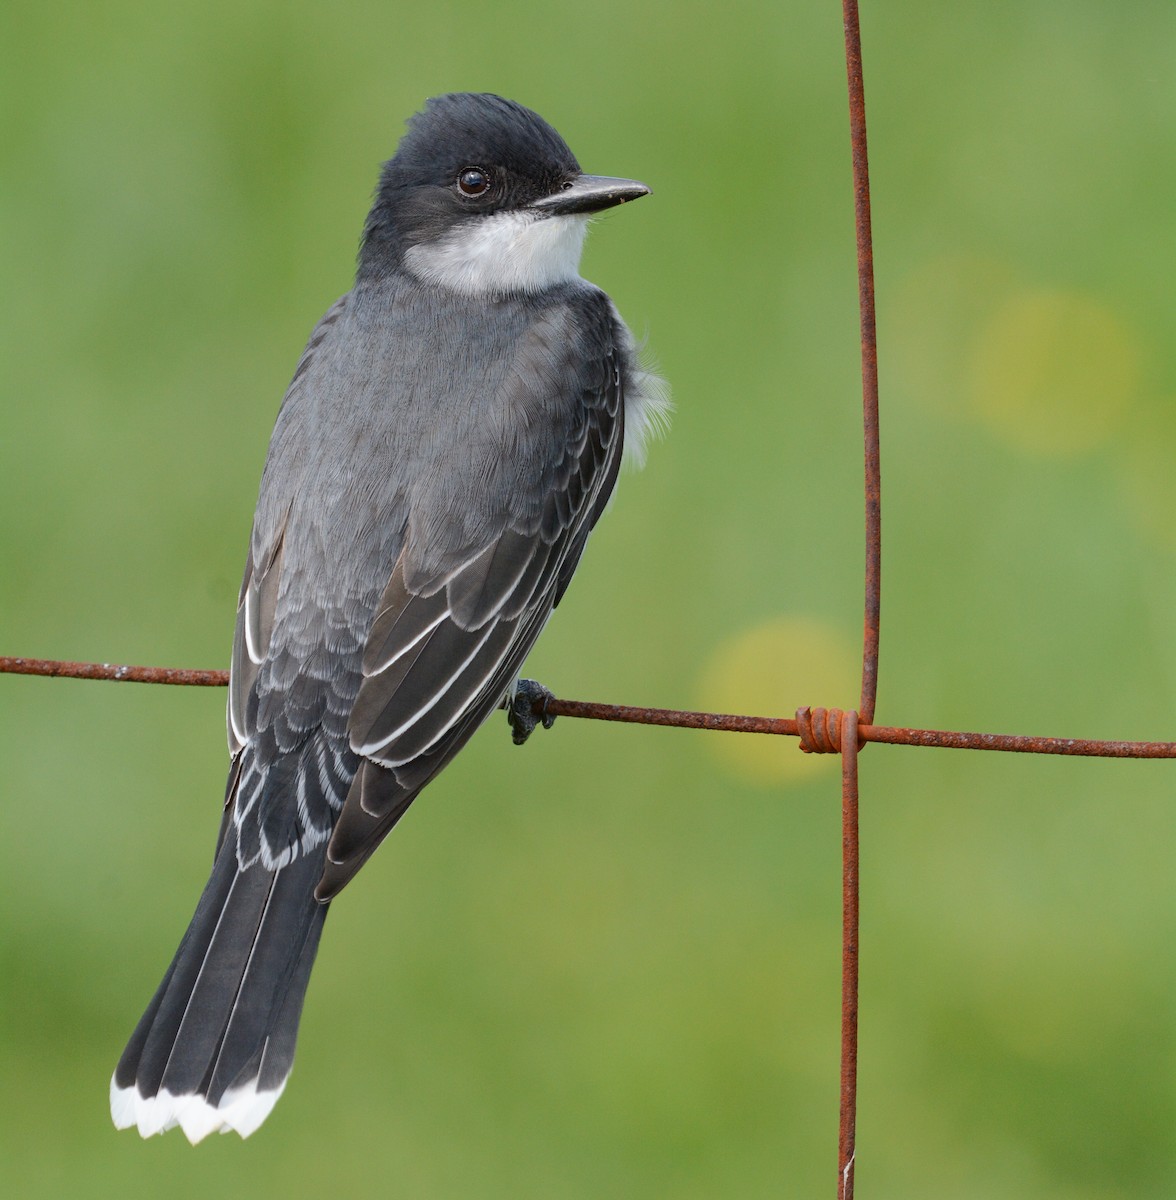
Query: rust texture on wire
{"points": [[869, 339], [113, 672], [630, 714], [817, 732], [846, 1140]]}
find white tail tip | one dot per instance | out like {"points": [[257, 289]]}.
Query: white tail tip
{"points": [[241, 1110]]}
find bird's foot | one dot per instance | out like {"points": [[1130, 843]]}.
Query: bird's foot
{"points": [[526, 707]]}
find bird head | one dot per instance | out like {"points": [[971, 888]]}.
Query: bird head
{"points": [[484, 197]]}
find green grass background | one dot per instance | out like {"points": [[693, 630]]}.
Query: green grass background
{"points": [[608, 965]]}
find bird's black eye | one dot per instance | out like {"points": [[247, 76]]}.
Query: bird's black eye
{"points": [[473, 181]]}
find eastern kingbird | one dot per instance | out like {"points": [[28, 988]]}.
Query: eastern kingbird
{"points": [[451, 435]]}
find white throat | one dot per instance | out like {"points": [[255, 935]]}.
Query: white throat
{"points": [[503, 253]]}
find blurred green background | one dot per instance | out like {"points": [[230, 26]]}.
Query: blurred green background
{"points": [[609, 965]]}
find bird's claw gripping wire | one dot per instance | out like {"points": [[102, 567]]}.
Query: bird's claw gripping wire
{"points": [[526, 708]]}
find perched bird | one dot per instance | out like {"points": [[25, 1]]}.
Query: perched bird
{"points": [[451, 435]]}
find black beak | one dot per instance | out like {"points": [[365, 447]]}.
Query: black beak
{"points": [[589, 194]]}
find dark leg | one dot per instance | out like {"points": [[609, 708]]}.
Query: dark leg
{"points": [[527, 709]]}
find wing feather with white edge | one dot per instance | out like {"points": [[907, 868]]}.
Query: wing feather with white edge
{"points": [[444, 648]]}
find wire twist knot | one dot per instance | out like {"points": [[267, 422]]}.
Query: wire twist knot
{"points": [[819, 729]]}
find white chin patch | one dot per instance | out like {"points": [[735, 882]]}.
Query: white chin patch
{"points": [[503, 253], [241, 1110]]}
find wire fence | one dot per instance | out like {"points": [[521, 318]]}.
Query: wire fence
{"points": [[818, 730]]}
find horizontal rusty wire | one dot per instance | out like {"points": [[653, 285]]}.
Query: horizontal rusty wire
{"points": [[113, 673], [891, 735], [630, 714]]}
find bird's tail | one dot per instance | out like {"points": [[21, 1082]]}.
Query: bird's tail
{"points": [[216, 1044]]}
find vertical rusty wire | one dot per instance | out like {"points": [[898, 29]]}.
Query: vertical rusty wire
{"points": [[847, 1128], [869, 338], [847, 1137]]}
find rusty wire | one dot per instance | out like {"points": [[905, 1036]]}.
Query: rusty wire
{"points": [[630, 714], [869, 339], [847, 1132], [113, 672], [847, 730], [819, 730]]}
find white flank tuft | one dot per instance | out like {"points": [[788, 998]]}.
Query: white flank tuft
{"points": [[647, 401], [241, 1110], [647, 414], [508, 252]]}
